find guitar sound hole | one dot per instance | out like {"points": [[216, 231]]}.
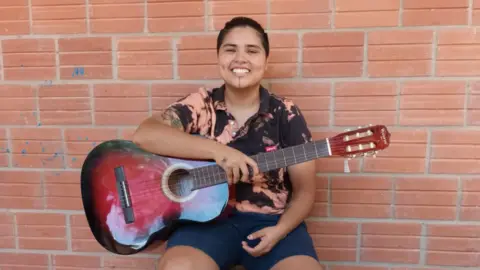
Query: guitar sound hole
{"points": [[180, 183]]}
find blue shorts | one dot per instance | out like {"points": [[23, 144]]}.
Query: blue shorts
{"points": [[222, 241]]}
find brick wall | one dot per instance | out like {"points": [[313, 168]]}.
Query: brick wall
{"points": [[78, 72]]}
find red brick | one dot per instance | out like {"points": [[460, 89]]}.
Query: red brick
{"points": [[426, 198], [367, 13], [66, 104], [114, 106], [91, 54], [399, 53], [64, 262], [453, 245], [336, 54], [452, 152], [61, 190], [374, 200], [283, 57], [23, 260], [454, 52], [82, 238], [390, 243], [146, 58], [360, 103], [116, 16], [300, 14], [469, 209], [175, 16], [334, 241], [32, 59], [7, 230], [444, 12], [222, 11], [80, 141], [15, 18], [432, 103], [59, 17], [41, 231], [197, 57], [21, 190]]}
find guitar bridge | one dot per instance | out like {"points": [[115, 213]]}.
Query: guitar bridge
{"points": [[124, 195]]}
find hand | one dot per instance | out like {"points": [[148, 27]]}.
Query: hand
{"points": [[269, 238], [235, 162]]}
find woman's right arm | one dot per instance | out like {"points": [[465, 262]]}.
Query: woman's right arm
{"points": [[168, 134], [164, 135]]}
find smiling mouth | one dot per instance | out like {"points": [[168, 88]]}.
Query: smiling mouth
{"points": [[240, 71]]}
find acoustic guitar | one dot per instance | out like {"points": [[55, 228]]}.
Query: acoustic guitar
{"points": [[132, 197]]}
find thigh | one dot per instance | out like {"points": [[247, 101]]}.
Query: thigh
{"points": [[219, 241], [297, 243], [186, 258]]}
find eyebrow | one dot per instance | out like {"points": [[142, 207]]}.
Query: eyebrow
{"points": [[234, 45]]}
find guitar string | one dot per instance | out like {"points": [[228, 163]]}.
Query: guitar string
{"points": [[206, 176]]}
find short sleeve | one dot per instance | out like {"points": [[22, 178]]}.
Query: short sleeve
{"points": [[295, 129], [192, 112]]}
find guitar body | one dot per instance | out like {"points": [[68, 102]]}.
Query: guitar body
{"points": [[131, 196]]}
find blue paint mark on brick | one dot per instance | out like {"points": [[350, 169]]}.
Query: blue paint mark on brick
{"points": [[78, 71], [24, 151]]}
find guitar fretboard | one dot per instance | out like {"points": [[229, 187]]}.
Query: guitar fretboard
{"points": [[267, 161]]}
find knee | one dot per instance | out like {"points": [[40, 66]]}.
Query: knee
{"points": [[185, 258]]}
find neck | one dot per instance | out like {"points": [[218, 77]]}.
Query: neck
{"points": [[242, 98]]}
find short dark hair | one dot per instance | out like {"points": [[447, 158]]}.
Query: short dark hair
{"points": [[242, 21]]}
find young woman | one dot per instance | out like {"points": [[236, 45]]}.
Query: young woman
{"points": [[238, 119]]}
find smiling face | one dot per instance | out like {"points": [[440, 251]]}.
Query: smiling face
{"points": [[242, 58]]}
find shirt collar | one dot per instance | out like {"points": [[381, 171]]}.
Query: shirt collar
{"points": [[218, 98]]}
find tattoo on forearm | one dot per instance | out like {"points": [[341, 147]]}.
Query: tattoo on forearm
{"points": [[175, 122], [171, 119]]}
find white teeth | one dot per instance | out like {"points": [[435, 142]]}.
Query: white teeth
{"points": [[240, 70]]}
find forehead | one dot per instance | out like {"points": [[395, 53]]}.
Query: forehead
{"points": [[242, 36]]}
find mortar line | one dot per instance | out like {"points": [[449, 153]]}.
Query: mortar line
{"points": [[398, 85], [2, 68], [9, 148], [468, 89], [358, 243], [145, 16], [87, 17], [365, 55], [400, 14], [423, 244], [269, 15], [175, 58], [433, 64], [428, 152], [30, 17], [206, 16], [470, 12], [458, 205], [333, 8], [114, 56], [300, 56], [57, 59]]}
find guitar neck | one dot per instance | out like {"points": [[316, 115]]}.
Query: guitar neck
{"points": [[267, 161]]}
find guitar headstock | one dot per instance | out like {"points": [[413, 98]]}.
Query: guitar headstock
{"points": [[363, 141]]}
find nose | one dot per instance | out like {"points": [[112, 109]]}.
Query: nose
{"points": [[240, 56]]}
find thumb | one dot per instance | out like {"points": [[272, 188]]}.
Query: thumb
{"points": [[257, 234]]}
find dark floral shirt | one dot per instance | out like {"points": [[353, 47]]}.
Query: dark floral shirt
{"points": [[278, 124]]}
